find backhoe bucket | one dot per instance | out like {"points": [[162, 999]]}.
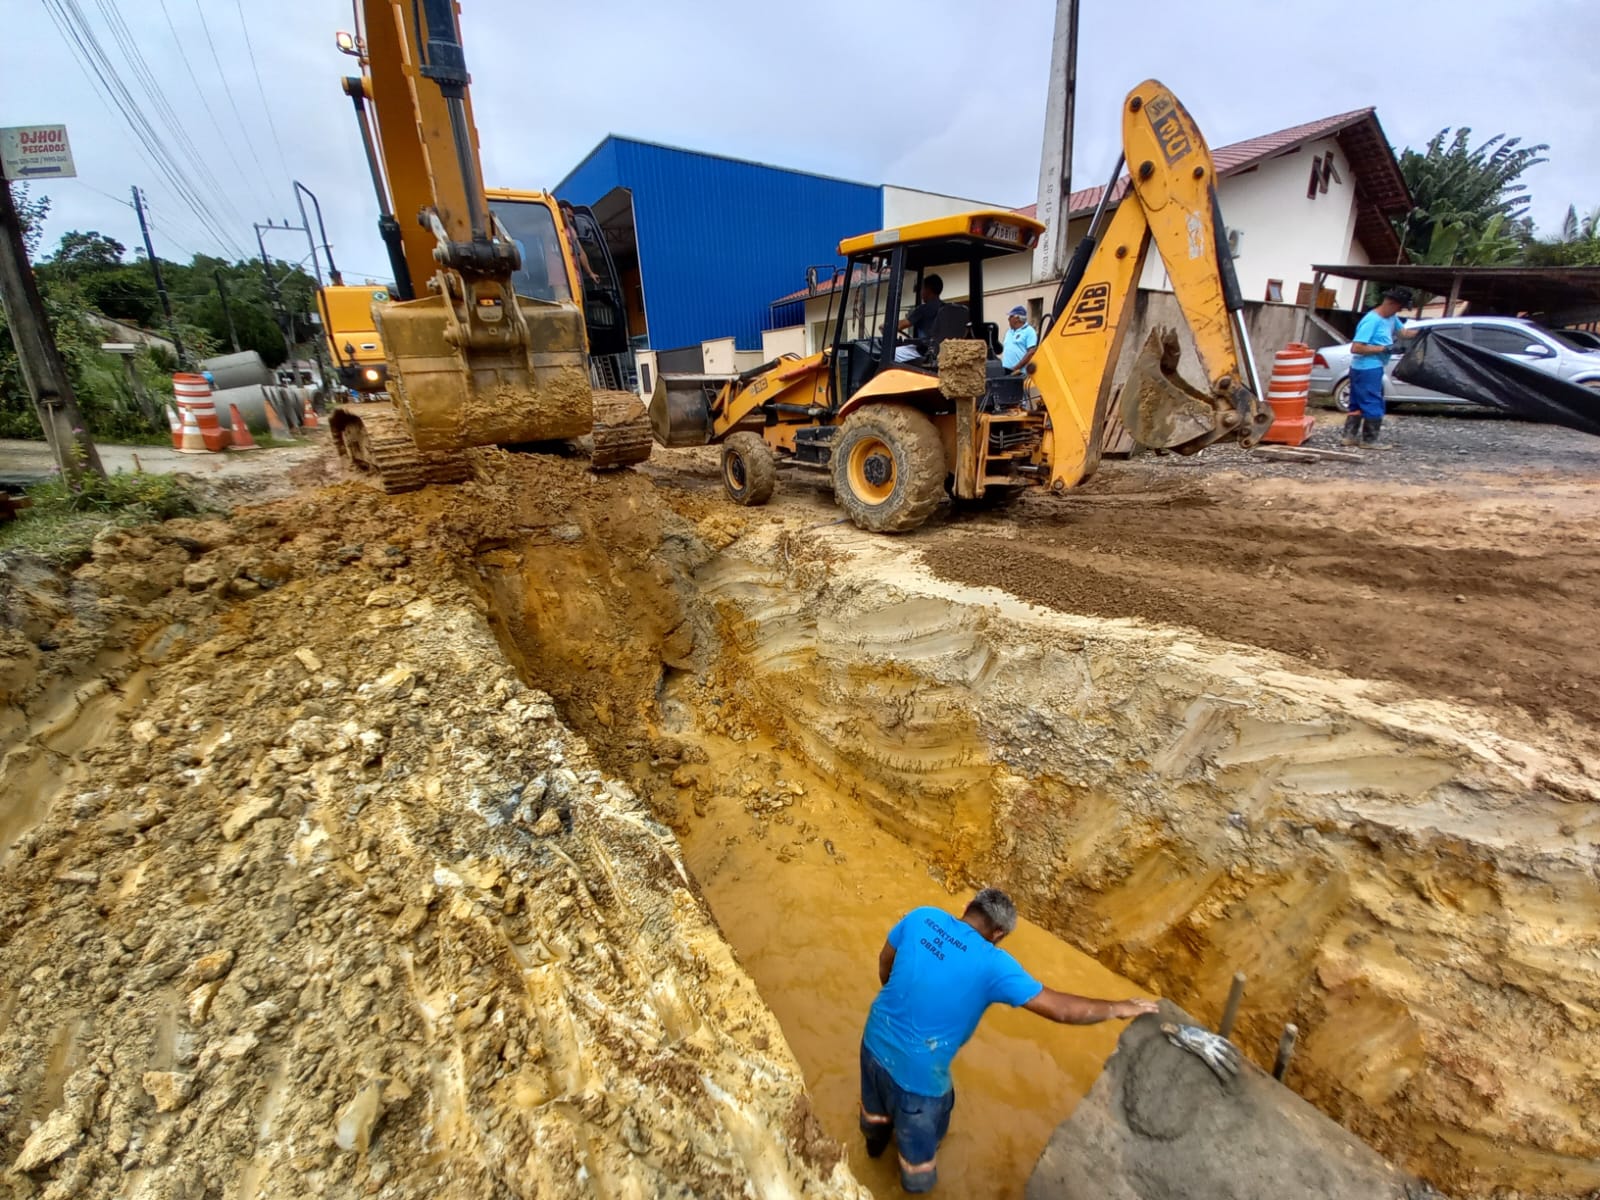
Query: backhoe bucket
{"points": [[1163, 411], [680, 408]]}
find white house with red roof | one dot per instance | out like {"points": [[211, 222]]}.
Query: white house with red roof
{"points": [[1322, 192]]}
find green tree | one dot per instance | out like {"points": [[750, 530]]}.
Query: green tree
{"points": [[79, 254], [32, 213], [1469, 204], [1577, 245]]}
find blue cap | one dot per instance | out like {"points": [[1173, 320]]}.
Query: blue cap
{"points": [[1019, 311]]}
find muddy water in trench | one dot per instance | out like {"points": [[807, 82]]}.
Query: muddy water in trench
{"points": [[806, 893]]}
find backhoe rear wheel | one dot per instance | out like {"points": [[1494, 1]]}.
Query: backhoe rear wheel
{"points": [[888, 468], [749, 469]]}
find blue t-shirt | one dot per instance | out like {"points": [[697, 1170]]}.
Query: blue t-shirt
{"points": [[1374, 331], [944, 976], [1018, 342]]}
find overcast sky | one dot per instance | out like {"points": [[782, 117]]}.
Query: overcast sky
{"points": [[944, 95]]}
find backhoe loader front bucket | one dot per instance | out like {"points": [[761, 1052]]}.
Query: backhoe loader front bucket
{"points": [[680, 408], [1161, 410]]}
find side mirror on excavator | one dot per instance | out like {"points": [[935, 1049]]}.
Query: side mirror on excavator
{"points": [[347, 43]]}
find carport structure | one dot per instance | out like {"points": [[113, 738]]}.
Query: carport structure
{"points": [[1554, 296]]}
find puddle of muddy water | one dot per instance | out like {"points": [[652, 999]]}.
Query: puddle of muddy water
{"points": [[806, 894]]}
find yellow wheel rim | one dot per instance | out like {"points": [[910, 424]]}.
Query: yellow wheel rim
{"points": [[733, 470], [871, 470]]}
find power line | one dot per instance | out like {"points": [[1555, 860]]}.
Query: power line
{"points": [[151, 86], [166, 161], [232, 103], [188, 65], [80, 37], [255, 66]]}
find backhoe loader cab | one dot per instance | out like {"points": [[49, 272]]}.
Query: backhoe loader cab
{"points": [[883, 282], [900, 423]]}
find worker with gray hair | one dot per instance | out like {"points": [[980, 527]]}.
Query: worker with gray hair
{"points": [[1020, 340], [939, 973]]}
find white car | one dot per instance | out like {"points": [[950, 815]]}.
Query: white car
{"points": [[1513, 337]]}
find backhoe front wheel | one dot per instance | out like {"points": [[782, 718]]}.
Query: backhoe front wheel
{"points": [[888, 468], [749, 469]]}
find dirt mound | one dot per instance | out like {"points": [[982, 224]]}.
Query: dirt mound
{"points": [[313, 895]]}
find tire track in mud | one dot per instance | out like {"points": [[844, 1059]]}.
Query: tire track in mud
{"points": [[1495, 626]]}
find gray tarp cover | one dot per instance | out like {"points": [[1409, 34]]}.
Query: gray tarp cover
{"points": [[1448, 364]]}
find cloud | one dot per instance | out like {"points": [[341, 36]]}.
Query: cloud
{"points": [[939, 95]]}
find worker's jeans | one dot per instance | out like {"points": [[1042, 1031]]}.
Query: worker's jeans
{"points": [[1366, 393], [918, 1123]]}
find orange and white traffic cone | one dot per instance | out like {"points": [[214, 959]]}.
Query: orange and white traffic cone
{"points": [[308, 419], [241, 432], [275, 422], [176, 426], [190, 439]]}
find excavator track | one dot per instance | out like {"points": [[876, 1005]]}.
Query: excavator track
{"points": [[374, 439], [621, 431]]}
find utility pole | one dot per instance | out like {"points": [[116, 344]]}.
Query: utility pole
{"points": [[155, 267], [227, 312], [1055, 162], [42, 368], [284, 323]]}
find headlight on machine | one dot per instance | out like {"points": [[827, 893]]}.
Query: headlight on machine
{"points": [[370, 374]]}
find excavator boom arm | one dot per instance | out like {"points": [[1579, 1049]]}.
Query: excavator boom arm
{"points": [[1171, 203]]}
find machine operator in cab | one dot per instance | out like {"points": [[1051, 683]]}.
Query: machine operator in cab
{"points": [[939, 973]]}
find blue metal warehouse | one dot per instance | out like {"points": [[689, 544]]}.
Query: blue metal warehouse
{"points": [[703, 243]]}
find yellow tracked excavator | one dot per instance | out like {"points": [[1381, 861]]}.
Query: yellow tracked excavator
{"points": [[483, 334], [897, 421]]}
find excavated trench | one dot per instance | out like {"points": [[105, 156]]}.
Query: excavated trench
{"points": [[285, 748], [837, 736]]}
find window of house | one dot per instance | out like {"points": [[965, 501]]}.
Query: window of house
{"points": [[1275, 290], [1316, 178]]}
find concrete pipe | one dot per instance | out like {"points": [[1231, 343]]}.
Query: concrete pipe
{"points": [[229, 371], [252, 404]]}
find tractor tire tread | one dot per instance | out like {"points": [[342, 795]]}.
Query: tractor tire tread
{"points": [[760, 466], [920, 469]]}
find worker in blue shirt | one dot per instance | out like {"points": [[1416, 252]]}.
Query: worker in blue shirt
{"points": [[939, 974], [1020, 340], [1374, 341]]}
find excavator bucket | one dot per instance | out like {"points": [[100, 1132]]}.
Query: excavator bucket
{"points": [[1163, 411], [489, 395]]}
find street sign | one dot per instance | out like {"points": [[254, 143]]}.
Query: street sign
{"points": [[36, 152]]}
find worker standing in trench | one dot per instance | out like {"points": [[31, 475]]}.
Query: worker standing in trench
{"points": [[939, 973]]}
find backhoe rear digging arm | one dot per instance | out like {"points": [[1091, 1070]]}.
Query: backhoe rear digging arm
{"points": [[1171, 202]]}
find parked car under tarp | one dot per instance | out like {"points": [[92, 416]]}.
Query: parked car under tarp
{"points": [[1445, 363]]}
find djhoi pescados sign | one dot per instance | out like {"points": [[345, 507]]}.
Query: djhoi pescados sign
{"points": [[36, 152]]}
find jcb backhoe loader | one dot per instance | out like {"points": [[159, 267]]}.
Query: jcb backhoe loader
{"points": [[895, 432], [476, 354]]}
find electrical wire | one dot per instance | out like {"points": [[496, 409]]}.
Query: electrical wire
{"points": [[232, 102], [151, 87], [255, 66], [80, 37], [225, 142]]}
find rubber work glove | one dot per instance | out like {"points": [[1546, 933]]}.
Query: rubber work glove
{"points": [[1217, 1052]]}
